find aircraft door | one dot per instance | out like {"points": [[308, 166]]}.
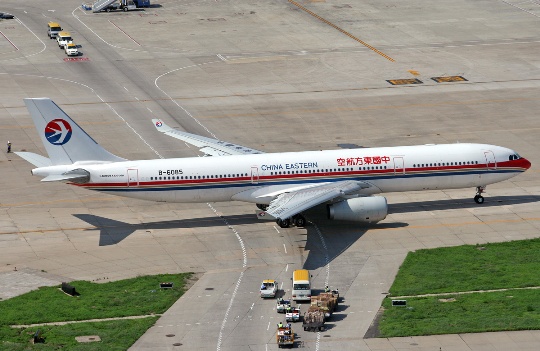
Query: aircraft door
{"points": [[133, 177], [254, 175], [399, 165], [490, 160]]}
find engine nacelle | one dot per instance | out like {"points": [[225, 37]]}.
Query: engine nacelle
{"points": [[361, 209]]}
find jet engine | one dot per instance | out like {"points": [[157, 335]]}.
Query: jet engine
{"points": [[361, 209]]}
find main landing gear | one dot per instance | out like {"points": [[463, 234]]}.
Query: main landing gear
{"points": [[479, 199], [298, 220]]}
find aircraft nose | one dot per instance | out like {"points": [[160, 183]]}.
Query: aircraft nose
{"points": [[525, 163]]}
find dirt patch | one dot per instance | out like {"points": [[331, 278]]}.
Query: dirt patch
{"points": [[373, 330]]}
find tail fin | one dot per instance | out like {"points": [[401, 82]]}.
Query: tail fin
{"points": [[65, 142]]}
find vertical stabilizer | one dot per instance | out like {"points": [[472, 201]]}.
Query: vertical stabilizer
{"points": [[65, 142]]}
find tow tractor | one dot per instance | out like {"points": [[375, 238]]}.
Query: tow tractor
{"points": [[282, 305], [285, 337], [293, 315]]}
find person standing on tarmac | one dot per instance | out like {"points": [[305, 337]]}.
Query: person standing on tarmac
{"points": [[9, 146]]}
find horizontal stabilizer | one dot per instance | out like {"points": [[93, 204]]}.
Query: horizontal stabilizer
{"points": [[35, 159]]}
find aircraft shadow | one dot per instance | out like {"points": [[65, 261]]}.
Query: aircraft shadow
{"points": [[339, 235], [112, 232]]}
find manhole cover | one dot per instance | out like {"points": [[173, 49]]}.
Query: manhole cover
{"points": [[169, 335]]}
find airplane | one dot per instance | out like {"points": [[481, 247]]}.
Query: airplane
{"points": [[282, 185]]}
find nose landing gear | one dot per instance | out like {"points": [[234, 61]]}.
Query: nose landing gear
{"points": [[479, 199]]}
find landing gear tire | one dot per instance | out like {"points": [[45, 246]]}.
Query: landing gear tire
{"points": [[262, 207], [284, 223], [299, 221], [479, 199]]}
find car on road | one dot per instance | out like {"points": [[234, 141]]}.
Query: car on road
{"points": [[71, 49], [63, 38]]}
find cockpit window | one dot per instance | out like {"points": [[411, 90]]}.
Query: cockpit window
{"points": [[514, 157]]}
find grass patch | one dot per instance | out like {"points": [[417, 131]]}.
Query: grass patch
{"points": [[469, 313], [505, 265], [115, 335], [130, 297], [512, 264]]}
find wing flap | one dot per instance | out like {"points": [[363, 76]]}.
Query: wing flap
{"points": [[209, 146], [289, 204]]}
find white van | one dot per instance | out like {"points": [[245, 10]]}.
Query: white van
{"points": [[63, 38], [53, 28], [301, 285]]}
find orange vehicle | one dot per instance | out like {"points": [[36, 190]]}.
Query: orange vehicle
{"points": [[285, 337]]}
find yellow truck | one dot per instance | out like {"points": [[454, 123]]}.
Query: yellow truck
{"points": [[301, 285], [53, 28]]}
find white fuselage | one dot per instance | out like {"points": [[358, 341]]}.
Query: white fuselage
{"points": [[259, 178]]}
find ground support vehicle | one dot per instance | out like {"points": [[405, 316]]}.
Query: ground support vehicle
{"points": [[269, 288], [313, 319], [293, 315], [71, 49], [285, 337], [63, 38], [123, 5], [301, 287], [325, 302], [282, 305], [53, 28]]}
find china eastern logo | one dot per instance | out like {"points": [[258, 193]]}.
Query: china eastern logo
{"points": [[58, 132], [159, 124]]}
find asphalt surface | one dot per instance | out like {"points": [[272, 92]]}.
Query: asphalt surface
{"points": [[275, 76]]}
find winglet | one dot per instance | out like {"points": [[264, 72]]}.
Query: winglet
{"points": [[161, 126]]}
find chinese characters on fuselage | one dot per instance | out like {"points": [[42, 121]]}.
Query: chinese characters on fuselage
{"points": [[360, 161]]}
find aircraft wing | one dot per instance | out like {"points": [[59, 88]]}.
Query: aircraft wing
{"points": [[211, 147], [289, 204]]}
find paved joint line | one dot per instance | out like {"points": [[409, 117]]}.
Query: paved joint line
{"points": [[466, 292], [342, 31], [86, 321]]}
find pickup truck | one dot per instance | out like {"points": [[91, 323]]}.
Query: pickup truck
{"points": [[269, 288]]}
